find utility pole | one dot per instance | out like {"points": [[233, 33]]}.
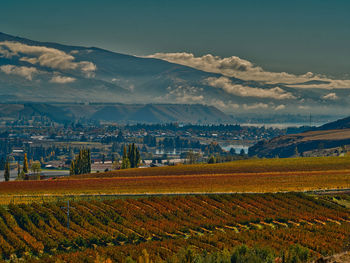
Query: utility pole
{"points": [[67, 207]]}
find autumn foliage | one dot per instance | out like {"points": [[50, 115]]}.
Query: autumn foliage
{"points": [[123, 228]]}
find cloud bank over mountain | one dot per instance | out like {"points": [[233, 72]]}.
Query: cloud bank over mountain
{"points": [[26, 72], [49, 72], [246, 91], [243, 69], [44, 56], [62, 80]]}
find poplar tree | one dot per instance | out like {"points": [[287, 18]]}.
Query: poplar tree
{"points": [[18, 169], [72, 168], [212, 159], [82, 163], [7, 170], [133, 156], [125, 160], [25, 164], [88, 161]]}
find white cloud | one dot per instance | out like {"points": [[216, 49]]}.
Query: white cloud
{"points": [[62, 80], [246, 70], [132, 87], [45, 57], [330, 96], [26, 72], [190, 99], [224, 105], [185, 94], [245, 91], [332, 84], [302, 107], [5, 53], [280, 107], [255, 106]]}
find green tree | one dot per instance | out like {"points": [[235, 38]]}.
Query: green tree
{"points": [[25, 163], [7, 170], [125, 164], [133, 156], [243, 254], [192, 157], [116, 165], [21, 176], [36, 168], [212, 159], [72, 168], [296, 254], [18, 169], [88, 160], [82, 163], [125, 160], [187, 255]]}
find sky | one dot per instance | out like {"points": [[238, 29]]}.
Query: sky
{"points": [[278, 35]]}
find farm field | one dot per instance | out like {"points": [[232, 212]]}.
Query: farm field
{"points": [[240, 166], [120, 228], [219, 183], [210, 208], [254, 176]]}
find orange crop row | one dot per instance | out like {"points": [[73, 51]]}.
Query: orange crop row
{"points": [[240, 166], [163, 225], [252, 182]]}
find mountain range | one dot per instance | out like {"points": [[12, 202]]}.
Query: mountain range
{"points": [[116, 112], [33, 71]]}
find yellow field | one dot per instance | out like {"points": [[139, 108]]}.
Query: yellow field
{"points": [[256, 176], [29, 191], [241, 166]]}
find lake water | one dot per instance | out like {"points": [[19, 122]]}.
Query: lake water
{"points": [[237, 148], [281, 125], [174, 152]]}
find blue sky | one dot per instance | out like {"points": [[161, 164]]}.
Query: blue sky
{"points": [[293, 36]]}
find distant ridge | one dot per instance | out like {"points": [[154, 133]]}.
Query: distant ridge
{"points": [[118, 113], [339, 124], [329, 139]]}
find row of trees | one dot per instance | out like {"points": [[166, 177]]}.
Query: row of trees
{"points": [[131, 157], [82, 163], [171, 143]]}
